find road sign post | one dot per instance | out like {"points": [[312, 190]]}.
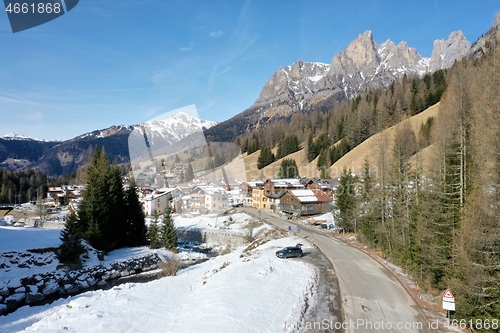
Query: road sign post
{"points": [[448, 302]]}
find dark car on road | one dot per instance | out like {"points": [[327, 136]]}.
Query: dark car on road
{"points": [[290, 252]]}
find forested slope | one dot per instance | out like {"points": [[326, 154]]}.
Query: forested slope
{"points": [[443, 225]]}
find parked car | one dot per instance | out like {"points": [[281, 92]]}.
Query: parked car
{"points": [[290, 252]]}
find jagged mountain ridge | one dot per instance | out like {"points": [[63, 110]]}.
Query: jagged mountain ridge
{"points": [[62, 157], [364, 64], [302, 86]]}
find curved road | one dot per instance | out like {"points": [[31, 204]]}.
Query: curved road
{"points": [[372, 299]]}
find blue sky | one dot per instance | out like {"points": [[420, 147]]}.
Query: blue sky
{"points": [[112, 62]]}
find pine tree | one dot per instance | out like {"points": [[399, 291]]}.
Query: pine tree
{"points": [[288, 169], [290, 144], [71, 237], [367, 221], [323, 160], [93, 209], [311, 149], [154, 233], [116, 229], [253, 145], [476, 273], [400, 194], [109, 217], [168, 233], [135, 218], [266, 157], [189, 173], [451, 182], [345, 202]]}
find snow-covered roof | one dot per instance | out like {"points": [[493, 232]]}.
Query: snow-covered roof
{"points": [[166, 189], [302, 193], [255, 183], [286, 183], [310, 195], [159, 193], [308, 198]]}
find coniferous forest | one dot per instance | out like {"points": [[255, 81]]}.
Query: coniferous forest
{"points": [[442, 226], [332, 132], [22, 186]]}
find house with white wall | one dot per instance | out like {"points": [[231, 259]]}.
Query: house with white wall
{"points": [[159, 200]]}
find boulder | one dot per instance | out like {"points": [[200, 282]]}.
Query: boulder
{"points": [[50, 288], [33, 297], [4, 291]]}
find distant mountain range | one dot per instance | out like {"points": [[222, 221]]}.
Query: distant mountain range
{"points": [[300, 87], [305, 86], [62, 157]]}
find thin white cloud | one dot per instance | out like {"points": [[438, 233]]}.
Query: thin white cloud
{"points": [[217, 34], [16, 100], [34, 116], [187, 48]]}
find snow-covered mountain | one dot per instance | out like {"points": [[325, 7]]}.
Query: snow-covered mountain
{"points": [[17, 136], [362, 65], [170, 129], [174, 128], [62, 157]]}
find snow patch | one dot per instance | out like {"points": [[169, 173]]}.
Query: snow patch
{"points": [[214, 296]]}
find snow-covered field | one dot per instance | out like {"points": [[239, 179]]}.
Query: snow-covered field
{"points": [[20, 239], [234, 222], [237, 292], [17, 241]]}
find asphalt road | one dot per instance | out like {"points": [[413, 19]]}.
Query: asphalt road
{"points": [[372, 299]]}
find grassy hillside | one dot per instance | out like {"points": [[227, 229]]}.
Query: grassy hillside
{"points": [[369, 149], [354, 159], [272, 170]]}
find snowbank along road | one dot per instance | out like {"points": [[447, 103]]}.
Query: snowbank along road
{"points": [[372, 299]]}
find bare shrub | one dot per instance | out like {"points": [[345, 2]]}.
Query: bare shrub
{"points": [[170, 268], [266, 237]]}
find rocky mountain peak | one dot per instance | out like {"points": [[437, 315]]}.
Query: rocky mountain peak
{"points": [[361, 54], [361, 66], [387, 47], [298, 79], [401, 56], [445, 52]]}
